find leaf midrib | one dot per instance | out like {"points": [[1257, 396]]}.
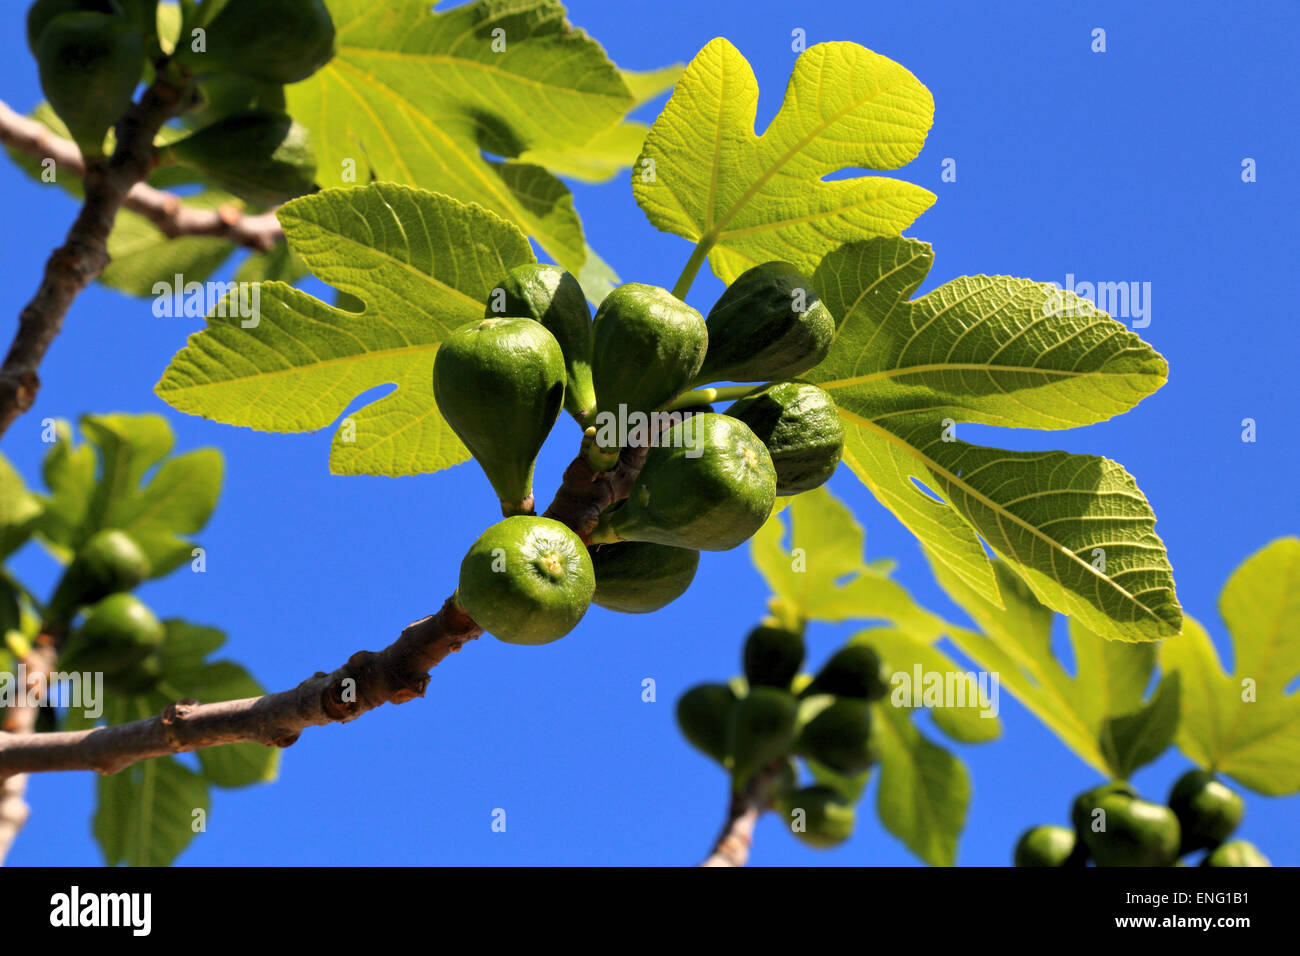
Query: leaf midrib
{"points": [[997, 509], [414, 349]]}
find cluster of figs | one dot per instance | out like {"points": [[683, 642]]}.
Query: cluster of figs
{"points": [[236, 58], [708, 481], [108, 629], [759, 726], [1113, 826]]}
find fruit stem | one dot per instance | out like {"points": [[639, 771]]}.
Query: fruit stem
{"points": [[707, 396], [698, 255], [512, 508]]}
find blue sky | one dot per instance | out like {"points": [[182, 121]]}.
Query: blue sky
{"points": [[1115, 166]]}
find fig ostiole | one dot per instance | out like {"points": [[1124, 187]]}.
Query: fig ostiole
{"points": [[499, 383], [526, 580]]}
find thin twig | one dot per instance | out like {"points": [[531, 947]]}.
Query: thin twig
{"points": [[169, 212], [737, 835]]}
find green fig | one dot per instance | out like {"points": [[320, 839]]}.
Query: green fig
{"points": [[1236, 853], [1082, 812], [801, 428], [1132, 832], [1045, 845], [261, 156], [40, 13], [116, 635], [108, 562], [551, 296], [704, 716], [526, 580], [499, 383], [761, 730], [769, 324], [707, 484], [225, 94], [817, 815], [647, 345], [839, 737], [772, 656], [90, 64], [1207, 810], [637, 577], [140, 679], [855, 671], [281, 41]]}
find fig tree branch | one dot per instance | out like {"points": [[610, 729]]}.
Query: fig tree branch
{"points": [[173, 217], [20, 720], [84, 254], [398, 673], [737, 836]]}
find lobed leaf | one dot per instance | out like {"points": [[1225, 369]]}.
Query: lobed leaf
{"points": [[416, 95], [1100, 713], [1009, 352], [422, 264], [706, 175], [1245, 724]]}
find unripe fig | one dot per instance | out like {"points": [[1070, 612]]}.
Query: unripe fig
{"points": [[1045, 845], [1236, 853], [261, 156], [140, 679], [117, 634], [854, 671], [108, 562], [499, 383], [225, 94], [637, 577], [817, 815], [707, 485], [801, 428], [1207, 810], [90, 64], [704, 716], [526, 580], [762, 729], [40, 13], [1081, 812], [551, 296], [282, 41], [1136, 833], [772, 656], [768, 325], [647, 345], [840, 737]]}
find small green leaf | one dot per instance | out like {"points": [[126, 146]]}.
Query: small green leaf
{"points": [[177, 501], [1245, 724], [146, 814], [822, 576], [924, 790], [704, 174], [19, 510], [422, 263], [1138, 738], [145, 262], [184, 652], [983, 349]]}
